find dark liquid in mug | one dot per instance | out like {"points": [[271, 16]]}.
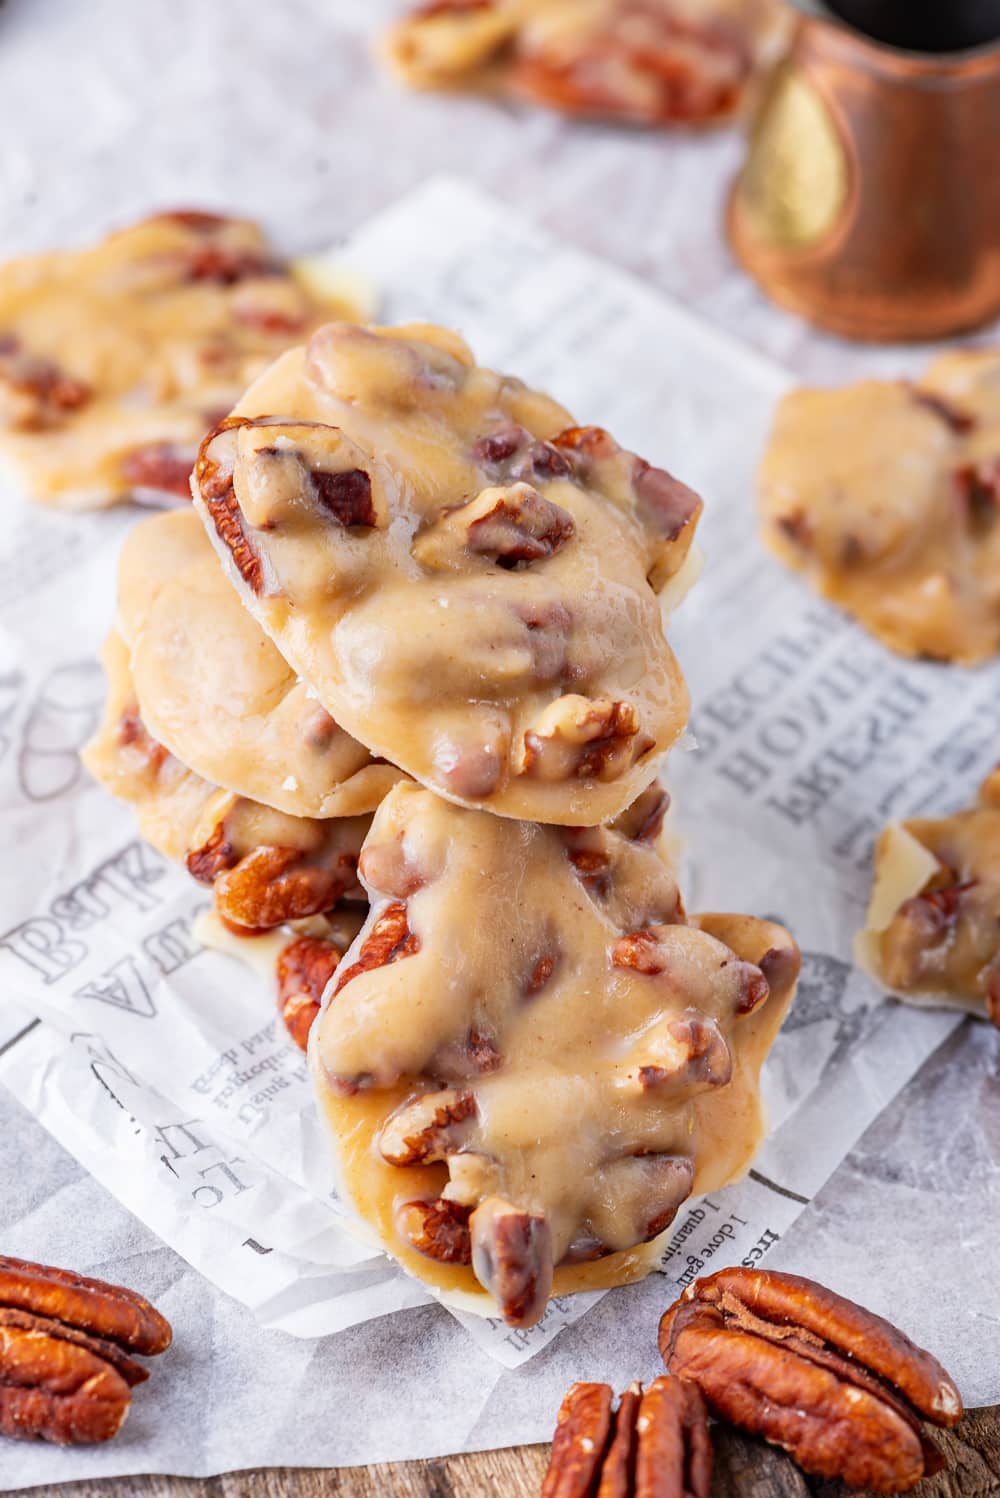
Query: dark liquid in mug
{"points": [[923, 25]]}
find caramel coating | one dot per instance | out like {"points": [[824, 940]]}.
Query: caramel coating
{"points": [[466, 579]]}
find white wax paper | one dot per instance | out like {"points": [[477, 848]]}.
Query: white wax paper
{"points": [[164, 1072]]}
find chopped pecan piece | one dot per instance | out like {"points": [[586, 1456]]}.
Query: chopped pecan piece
{"points": [[213, 474], [281, 465], [533, 458], [642, 822], [583, 1426], [386, 867], [389, 939], [475, 1056], [133, 732], [509, 525], [590, 443], [320, 729], [347, 495], [516, 525], [666, 505], [582, 738], [427, 1128], [305, 967], [132, 1372], [958, 421], [587, 851], [159, 465], [798, 528], [496, 447], [53, 1390], [512, 1259], [656, 1445], [223, 265], [271, 886], [214, 856], [35, 393], [838, 1387], [65, 1372], [439, 1229]]}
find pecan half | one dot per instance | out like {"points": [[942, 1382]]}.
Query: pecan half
{"points": [[132, 1372], [957, 420], [439, 1229], [978, 486], [214, 856], [213, 474], [512, 1258], [389, 939], [224, 265], [426, 1128], [474, 1056], [838, 1387], [582, 738], [305, 967], [656, 1445], [65, 1371], [271, 886], [346, 496], [642, 822], [644, 64], [689, 1050]]}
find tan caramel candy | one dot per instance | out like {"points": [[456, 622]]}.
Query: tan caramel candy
{"points": [[468, 581], [887, 496], [517, 1106], [933, 928], [115, 359]]}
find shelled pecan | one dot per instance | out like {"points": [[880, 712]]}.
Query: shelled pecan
{"points": [[66, 1373], [305, 967], [655, 1446], [839, 1388]]}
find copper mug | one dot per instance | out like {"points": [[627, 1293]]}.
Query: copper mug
{"points": [[869, 202]]}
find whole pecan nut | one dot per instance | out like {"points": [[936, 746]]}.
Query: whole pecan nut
{"points": [[839, 1388], [65, 1370], [656, 1445]]}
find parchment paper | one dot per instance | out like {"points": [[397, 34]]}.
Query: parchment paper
{"points": [[164, 1071]]}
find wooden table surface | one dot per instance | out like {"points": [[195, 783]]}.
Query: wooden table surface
{"points": [[744, 1469]]}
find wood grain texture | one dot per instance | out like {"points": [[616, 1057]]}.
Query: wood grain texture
{"points": [[745, 1468]]}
